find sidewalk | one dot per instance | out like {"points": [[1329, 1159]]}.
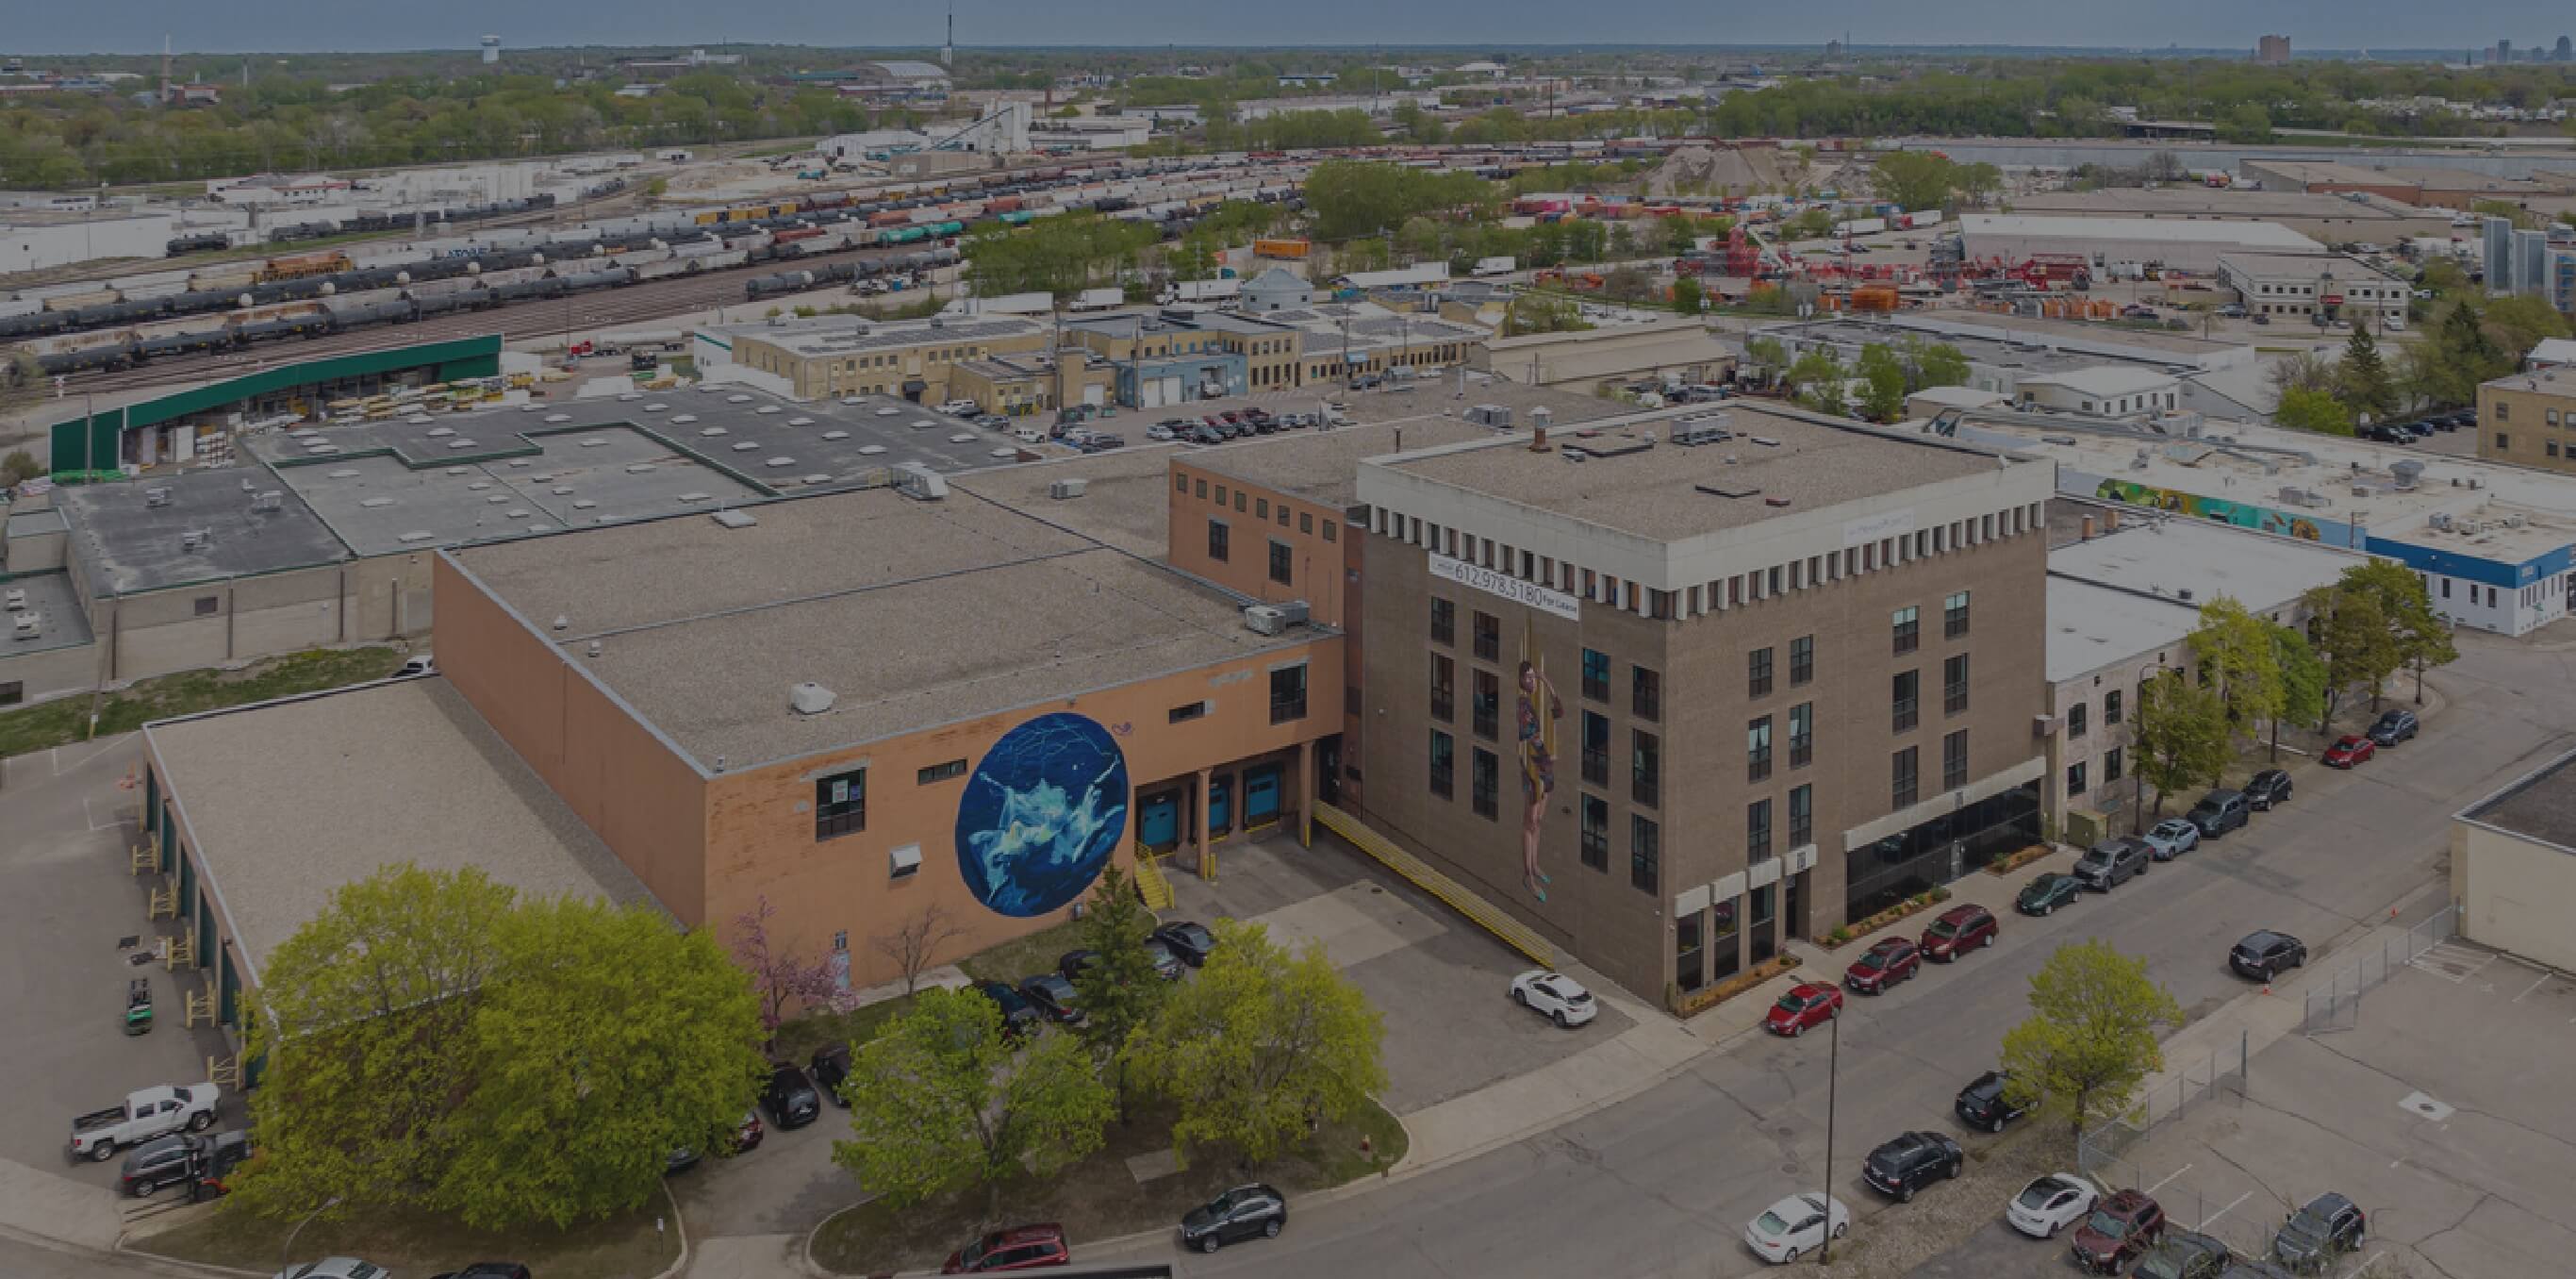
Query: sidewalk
{"points": [[46, 1206]]}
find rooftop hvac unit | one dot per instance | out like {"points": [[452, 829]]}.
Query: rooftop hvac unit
{"points": [[196, 539], [810, 698], [25, 626], [1273, 619], [2441, 521], [920, 483], [1061, 490], [2407, 472], [156, 497], [1540, 418], [269, 502], [16, 600]]}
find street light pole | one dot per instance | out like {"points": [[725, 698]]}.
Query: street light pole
{"points": [[1833, 1087], [2137, 757], [286, 1251]]}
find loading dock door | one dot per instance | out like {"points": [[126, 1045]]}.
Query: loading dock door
{"points": [[1158, 821], [1220, 812], [1260, 796]]}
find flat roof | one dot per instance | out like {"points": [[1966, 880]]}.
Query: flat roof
{"points": [[832, 335], [1653, 490], [1126, 499], [2106, 379], [2092, 626], [55, 603], [2207, 202], [288, 801], [129, 545], [2540, 806], [1322, 466], [2307, 265], [913, 613], [2027, 347], [2548, 379], [2063, 227], [2164, 555], [2345, 173]]}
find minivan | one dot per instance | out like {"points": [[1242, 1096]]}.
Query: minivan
{"points": [[2219, 812]]}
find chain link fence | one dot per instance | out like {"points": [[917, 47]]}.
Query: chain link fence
{"points": [[2220, 1073], [2338, 1005]]}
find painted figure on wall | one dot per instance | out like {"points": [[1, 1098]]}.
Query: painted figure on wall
{"points": [[1539, 711], [1041, 815]]}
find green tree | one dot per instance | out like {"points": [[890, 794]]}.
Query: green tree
{"points": [[1766, 354], [1259, 1046], [2317, 411], [2091, 1036], [2451, 361], [2303, 680], [612, 1024], [942, 1101], [2182, 735], [2354, 640], [2234, 651], [2420, 635], [1543, 313], [1883, 378], [1818, 379], [1940, 364], [22, 382], [2367, 385], [1687, 297], [1121, 991], [2520, 321], [1914, 180]]}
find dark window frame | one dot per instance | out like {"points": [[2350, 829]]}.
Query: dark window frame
{"points": [[1757, 749], [1646, 768], [1905, 779], [1802, 661], [1596, 750], [1289, 706], [1954, 615], [1485, 703], [1596, 686], [1645, 853], [1220, 541], [940, 772], [1283, 563], [1802, 816], [1489, 637], [847, 815], [1444, 765], [1757, 831], [1646, 694], [1802, 734], [1444, 621], [1954, 760], [1905, 699], [1444, 688], [1757, 673], [1954, 684], [1484, 783], [1595, 838], [1905, 626]]}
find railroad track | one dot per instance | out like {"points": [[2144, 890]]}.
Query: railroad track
{"points": [[540, 317]]}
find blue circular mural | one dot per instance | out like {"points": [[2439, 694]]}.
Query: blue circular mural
{"points": [[1041, 814]]}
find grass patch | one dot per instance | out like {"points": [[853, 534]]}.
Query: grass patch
{"points": [[1024, 956], [66, 720], [1099, 1198], [622, 1247], [798, 1039]]}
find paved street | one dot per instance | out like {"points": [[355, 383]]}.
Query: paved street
{"points": [[1662, 1184]]}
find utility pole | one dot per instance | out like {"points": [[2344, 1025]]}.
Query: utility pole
{"points": [[1833, 1088]]}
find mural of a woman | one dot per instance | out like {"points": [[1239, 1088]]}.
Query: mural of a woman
{"points": [[1539, 711]]}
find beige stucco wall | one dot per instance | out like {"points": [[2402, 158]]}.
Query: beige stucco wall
{"points": [[2513, 894]]}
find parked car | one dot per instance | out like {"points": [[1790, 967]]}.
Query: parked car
{"points": [[2050, 1204], [146, 1113], [1237, 1214], [336, 1268], [1555, 996], [1017, 1248], [1166, 964], [2312, 1237], [2171, 838], [1018, 1018], [2046, 892], [162, 1161], [1910, 1161], [417, 665], [488, 1270], [831, 1065], [2349, 750], [1984, 1103], [2113, 862], [2118, 1229], [2219, 812], [2268, 789], [1190, 940], [1883, 965], [2392, 727], [1159, 431], [746, 1135], [1959, 930], [2184, 1254], [1795, 1226], [2264, 954], [217, 1157], [790, 1098], [1053, 997], [1807, 1004]]}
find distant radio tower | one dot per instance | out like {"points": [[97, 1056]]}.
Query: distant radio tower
{"points": [[948, 51], [491, 50]]}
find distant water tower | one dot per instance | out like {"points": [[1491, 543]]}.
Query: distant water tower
{"points": [[491, 50]]}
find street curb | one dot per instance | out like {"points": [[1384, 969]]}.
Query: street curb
{"points": [[679, 1226]]}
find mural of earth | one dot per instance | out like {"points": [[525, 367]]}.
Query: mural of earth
{"points": [[1041, 814]]}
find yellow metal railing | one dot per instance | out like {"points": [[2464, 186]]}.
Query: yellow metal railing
{"points": [[224, 1072], [201, 1004], [1485, 914], [1151, 883]]}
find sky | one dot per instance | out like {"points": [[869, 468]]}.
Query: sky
{"points": [[233, 26]]}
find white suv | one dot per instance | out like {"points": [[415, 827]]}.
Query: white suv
{"points": [[1559, 998]]}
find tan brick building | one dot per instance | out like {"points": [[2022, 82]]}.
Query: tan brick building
{"points": [[844, 355], [2529, 419]]}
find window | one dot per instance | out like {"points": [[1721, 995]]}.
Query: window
{"points": [[2075, 779], [1487, 769], [2504, 442], [1902, 701], [1489, 637], [1288, 694], [1802, 734], [1645, 694], [1596, 748], [2111, 707], [1687, 973], [841, 804], [1444, 688], [1444, 621], [1757, 750], [1802, 816], [1444, 764], [207, 604], [1596, 676], [2111, 766], [1954, 684], [1757, 831], [1757, 673], [2504, 411], [1901, 779], [1645, 854], [2075, 716], [1217, 533], [1954, 760], [1238, 499], [1329, 530], [940, 772], [1305, 523], [1283, 515], [1487, 706], [1280, 562], [1646, 774], [1184, 714], [1596, 832], [1220, 495], [1907, 632], [1954, 616], [1181, 485], [1802, 660], [1261, 509]]}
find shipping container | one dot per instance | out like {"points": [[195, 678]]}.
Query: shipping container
{"points": [[1291, 250]]}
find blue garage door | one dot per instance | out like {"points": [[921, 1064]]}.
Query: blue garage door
{"points": [[1158, 821], [1260, 796], [1220, 806]]}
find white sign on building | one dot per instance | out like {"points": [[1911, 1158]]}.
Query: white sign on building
{"points": [[1872, 528], [1527, 594]]}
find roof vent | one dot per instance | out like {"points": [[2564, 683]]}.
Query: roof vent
{"points": [[1068, 488], [562, 623], [733, 519], [196, 539], [810, 698], [2183, 592], [156, 497]]}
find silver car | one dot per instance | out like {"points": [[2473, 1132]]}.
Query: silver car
{"points": [[2171, 838]]}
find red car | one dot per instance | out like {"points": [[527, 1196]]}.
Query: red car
{"points": [[1959, 930], [1018, 1248], [2120, 1227], [1883, 965], [2351, 750], [1807, 1004]]}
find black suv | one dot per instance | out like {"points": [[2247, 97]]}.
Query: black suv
{"points": [[831, 1065], [2111, 863], [2267, 789], [790, 1097], [2393, 727], [2311, 1237], [1191, 941], [2262, 955], [1018, 1018], [1908, 1162], [2183, 1254], [1982, 1103], [2219, 812]]}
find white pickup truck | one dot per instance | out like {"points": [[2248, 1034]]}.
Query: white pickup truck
{"points": [[149, 1113]]}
